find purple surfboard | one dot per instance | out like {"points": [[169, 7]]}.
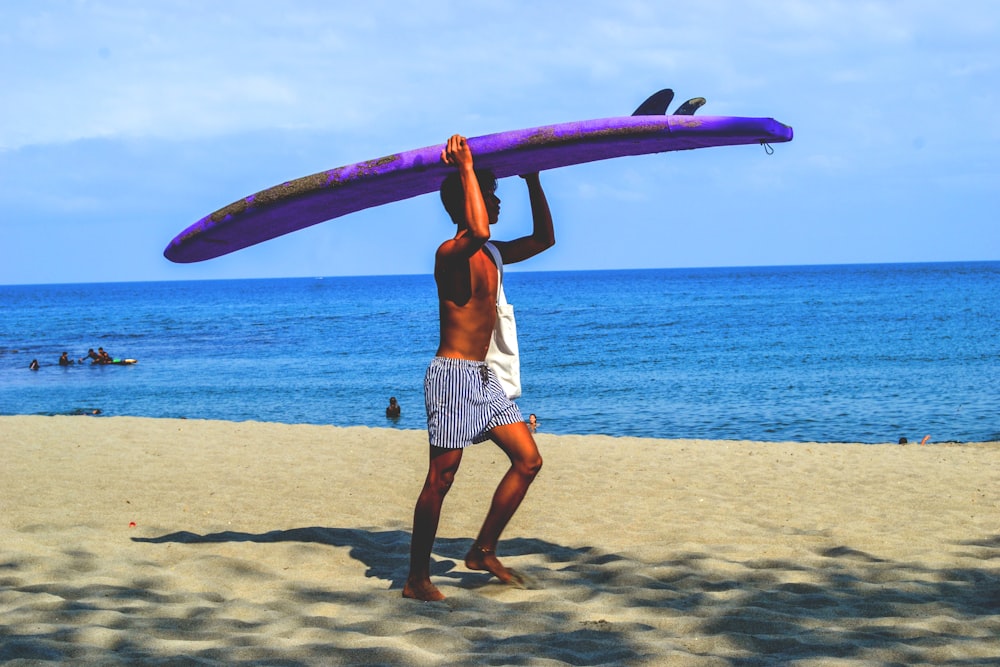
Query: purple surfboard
{"points": [[330, 194]]}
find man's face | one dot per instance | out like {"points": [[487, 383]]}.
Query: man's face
{"points": [[492, 207]]}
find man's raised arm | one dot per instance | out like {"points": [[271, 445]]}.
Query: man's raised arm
{"points": [[476, 222], [542, 236]]}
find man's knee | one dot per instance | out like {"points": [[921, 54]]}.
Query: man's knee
{"points": [[440, 481], [443, 466], [530, 465]]}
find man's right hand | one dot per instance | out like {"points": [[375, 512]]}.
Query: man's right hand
{"points": [[457, 152]]}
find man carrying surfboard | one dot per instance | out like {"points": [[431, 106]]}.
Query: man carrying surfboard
{"points": [[466, 403]]}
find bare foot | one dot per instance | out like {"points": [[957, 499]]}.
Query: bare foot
{"points": [[422, 590], [482, 558]]}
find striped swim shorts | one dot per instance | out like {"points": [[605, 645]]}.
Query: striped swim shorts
{"points": [[464, 402]]}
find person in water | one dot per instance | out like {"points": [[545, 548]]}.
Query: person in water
{"points": [[33, 366], [392, 411], [465, 402], [64, 360], [93, 356]]}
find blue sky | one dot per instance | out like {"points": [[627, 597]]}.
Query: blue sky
{"points": [[124, 122]]}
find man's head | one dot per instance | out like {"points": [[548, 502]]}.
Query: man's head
{"points": [[453, 197]]}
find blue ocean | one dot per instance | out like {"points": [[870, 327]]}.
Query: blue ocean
{"points": [[860, 353]]}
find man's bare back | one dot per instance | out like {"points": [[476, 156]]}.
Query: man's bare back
{"points": [[468, 306]]}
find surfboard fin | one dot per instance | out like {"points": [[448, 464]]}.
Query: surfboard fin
{"points": [[689, 107], [656, 104]]}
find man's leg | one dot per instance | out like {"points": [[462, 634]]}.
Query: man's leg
{"points": [[440, 475], [525, 462]]}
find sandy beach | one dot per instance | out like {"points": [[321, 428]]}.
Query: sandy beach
{"points": [[152, 541]]}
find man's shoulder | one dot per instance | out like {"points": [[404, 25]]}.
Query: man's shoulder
{"points": [[446, 246], [448, 252]]}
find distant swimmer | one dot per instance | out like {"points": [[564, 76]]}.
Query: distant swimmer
{"points": [[33, 366], [64, 360], [533, 423], [93, 356], [392, 411]]}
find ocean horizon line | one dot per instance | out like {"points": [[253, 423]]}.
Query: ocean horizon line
{"points": [[516, 270]]}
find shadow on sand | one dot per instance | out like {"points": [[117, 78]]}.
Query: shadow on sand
{"points": [[842, 604]]}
